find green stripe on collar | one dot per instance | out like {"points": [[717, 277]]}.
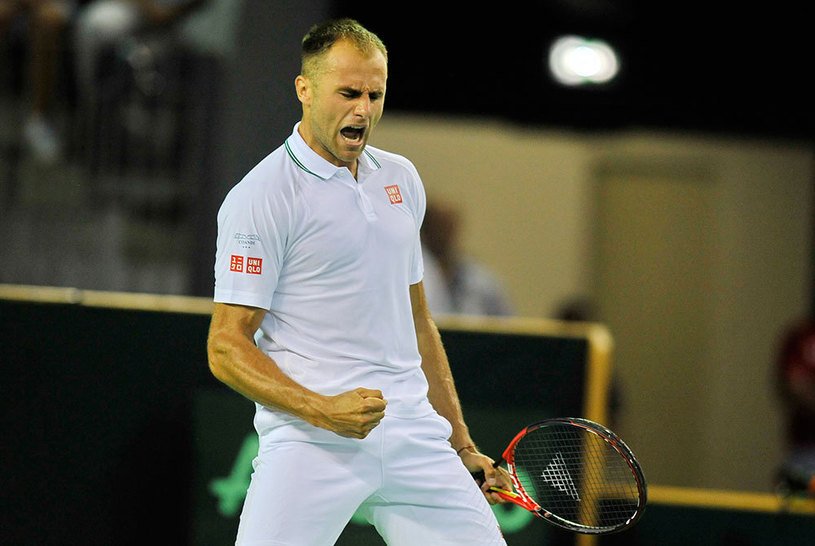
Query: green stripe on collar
{"points": [[297, 161], [373, 159]]}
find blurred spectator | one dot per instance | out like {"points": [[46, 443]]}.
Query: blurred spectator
{"points": [[795, 381], [42, 23], [104, 25], [576, 310], [454, 282]]}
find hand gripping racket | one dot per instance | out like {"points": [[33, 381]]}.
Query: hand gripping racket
{"points": [[576, 474]]}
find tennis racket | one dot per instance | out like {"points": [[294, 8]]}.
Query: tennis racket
{"points": [[576, 474]]}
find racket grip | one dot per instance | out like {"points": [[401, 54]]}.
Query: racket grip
{"points": [[506, 495], [479, 476], [503, 493]]}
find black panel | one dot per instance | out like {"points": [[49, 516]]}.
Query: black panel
{"points": [[114, 428]]}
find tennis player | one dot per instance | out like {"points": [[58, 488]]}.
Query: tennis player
{"points": [[320, 318]]}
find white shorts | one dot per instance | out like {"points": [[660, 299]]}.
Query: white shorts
{"points": [[404, 478]]}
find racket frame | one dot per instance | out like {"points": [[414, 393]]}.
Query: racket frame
{"points": [[520, 497]]}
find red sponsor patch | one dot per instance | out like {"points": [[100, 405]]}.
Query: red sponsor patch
{"points": [[394, 194], [254, 265], [236, 263]]}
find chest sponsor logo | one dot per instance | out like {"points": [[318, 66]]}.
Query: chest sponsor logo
{"points": [[246, 264], [394, 195]]}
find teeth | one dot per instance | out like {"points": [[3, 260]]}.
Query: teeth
{"points": [[352, 133]]}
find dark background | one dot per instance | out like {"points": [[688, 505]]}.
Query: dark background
{"points": [[115, 427], [711, 67]]}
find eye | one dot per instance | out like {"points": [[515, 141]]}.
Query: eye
{"points": [[350, 93]]}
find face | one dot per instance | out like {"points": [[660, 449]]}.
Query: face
{"points": [[342, 103]]}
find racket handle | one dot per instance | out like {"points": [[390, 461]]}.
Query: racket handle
{"points": [[507, 495], [479, 476]]}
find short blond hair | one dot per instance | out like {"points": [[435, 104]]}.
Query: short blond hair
{"points": [[322, 36]]}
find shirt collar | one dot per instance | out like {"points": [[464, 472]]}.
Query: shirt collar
{"points": [[309, 161]]}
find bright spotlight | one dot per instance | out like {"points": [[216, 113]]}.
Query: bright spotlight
{"points": [[574, 60]]}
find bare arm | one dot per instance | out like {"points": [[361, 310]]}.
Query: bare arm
{"points": [[235, 360], [444, 397]]}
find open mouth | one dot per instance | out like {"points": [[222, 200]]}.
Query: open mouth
{"points": [[352, 134]]}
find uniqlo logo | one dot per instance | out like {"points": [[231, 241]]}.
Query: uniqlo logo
{"points": [[254, 265], [236, 263], [393, 194]]}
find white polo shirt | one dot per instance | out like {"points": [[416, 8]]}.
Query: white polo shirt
{"points": [[331, 259]]}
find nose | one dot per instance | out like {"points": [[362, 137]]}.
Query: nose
{"points": [[363, 106]]}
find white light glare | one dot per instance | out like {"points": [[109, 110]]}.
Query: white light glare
{"points": [[574, 60]]}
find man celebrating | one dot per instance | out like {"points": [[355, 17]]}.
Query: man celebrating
{"points": [[321, 320]]}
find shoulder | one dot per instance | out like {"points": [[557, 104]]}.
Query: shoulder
{"points": [[391, 161], [270, 175], [267, 192]]}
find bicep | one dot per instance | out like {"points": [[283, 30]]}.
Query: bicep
{"points": [[427, 334], [418, 302], [231, 321]]}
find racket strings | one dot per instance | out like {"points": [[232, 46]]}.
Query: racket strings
{"points": [[577, 476]]}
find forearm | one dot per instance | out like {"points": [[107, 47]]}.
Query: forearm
{"points": [[235, 360], [239, 364], [442, 391]]}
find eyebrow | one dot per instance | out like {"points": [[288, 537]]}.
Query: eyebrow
{"points": [[355, 91]]}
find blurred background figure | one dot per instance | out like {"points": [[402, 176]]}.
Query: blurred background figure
{"points": [[39, 26], [102, 26], [133, 66], [795, 380], [454, 282], [577, 309]]}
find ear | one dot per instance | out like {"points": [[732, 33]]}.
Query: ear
{"points": [[302, 86]]}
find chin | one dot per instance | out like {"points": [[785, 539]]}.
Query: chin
{"points": [[353, 154]]}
